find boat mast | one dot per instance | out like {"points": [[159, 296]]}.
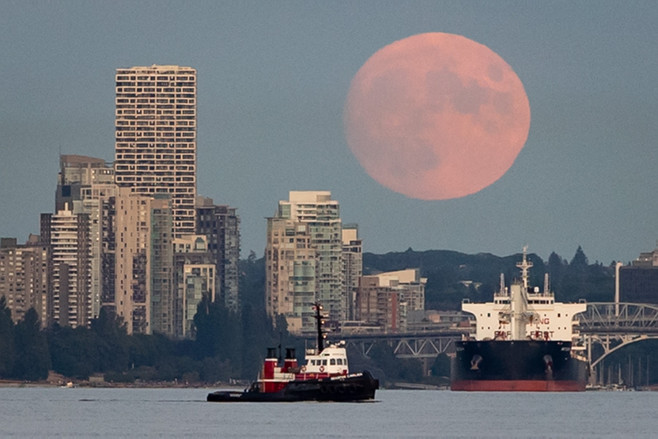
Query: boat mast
{"points": [[524, 265], [318, 322], [519, 299]]}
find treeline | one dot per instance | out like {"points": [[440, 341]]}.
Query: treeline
{"points": [[227, 347], [24, 351], [453, 276]]}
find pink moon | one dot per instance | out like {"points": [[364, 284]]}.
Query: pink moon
{"points": [[436, 116]]}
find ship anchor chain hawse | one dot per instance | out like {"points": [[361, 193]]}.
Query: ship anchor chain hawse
{"points": [[324, 376]]}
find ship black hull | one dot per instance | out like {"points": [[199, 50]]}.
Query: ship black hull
{"points": [[351, 388], [517, 366]]}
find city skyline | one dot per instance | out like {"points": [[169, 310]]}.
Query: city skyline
{"points": [[272, 83]]}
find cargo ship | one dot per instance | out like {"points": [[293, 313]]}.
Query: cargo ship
{"points": [[522, 341], [325, 376]]}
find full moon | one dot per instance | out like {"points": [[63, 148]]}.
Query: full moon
{"points": [[436, 116]]}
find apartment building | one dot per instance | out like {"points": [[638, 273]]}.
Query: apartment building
{"points": [[25, 277], [221, 224], [155, 136], [304, 260], [69, 239]]}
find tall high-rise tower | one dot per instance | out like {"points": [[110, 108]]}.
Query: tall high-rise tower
{"points": [[155, 149], [70, 243], [304, 260]]}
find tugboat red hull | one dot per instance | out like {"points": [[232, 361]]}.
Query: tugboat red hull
{"points": [[350, 388]]}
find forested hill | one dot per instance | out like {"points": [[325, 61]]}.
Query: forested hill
{"points": [[452, 276]]}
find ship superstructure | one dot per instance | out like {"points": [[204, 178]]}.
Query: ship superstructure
{"points": [[521, 312]]}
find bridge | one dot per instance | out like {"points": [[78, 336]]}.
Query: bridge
{"points": [[605, 327], [609, 327]]}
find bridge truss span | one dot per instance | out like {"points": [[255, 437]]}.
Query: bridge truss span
{"points": [[609, 318], [409, 345], [608, 327]]}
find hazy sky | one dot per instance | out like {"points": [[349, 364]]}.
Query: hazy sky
{"points": [[272, 81]]}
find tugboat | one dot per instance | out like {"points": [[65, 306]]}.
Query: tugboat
{"points": [[324, 377], [523, 341]]}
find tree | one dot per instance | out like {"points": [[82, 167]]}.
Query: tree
{"points": [[579, 259], [111, 341], [7, 353], [252, 281], [74, 352], [258, 333], [32, 354], [218, 333]]}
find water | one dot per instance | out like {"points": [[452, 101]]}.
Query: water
{"points": [[89, 413]]}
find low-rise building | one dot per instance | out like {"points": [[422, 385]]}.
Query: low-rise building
{"points": [[194, 279], [638, 282], [385, 299], [25, 277]]}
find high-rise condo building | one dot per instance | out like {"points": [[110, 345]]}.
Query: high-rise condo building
{"points": [[130, 297], [303, 260], [352, 266], [160, 266], [144, 262], [70, 243], [221, 224], [86, 185], [155, 142]]}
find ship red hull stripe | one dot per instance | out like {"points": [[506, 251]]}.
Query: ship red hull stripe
{"points": [[517, 386]]}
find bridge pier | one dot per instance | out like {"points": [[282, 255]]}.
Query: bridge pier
{"points": [[426, 366]]}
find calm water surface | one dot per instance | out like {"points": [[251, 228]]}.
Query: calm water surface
{"points": [[83, 412]]}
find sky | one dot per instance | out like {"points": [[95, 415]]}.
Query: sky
{"points": [[273, 78]]}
